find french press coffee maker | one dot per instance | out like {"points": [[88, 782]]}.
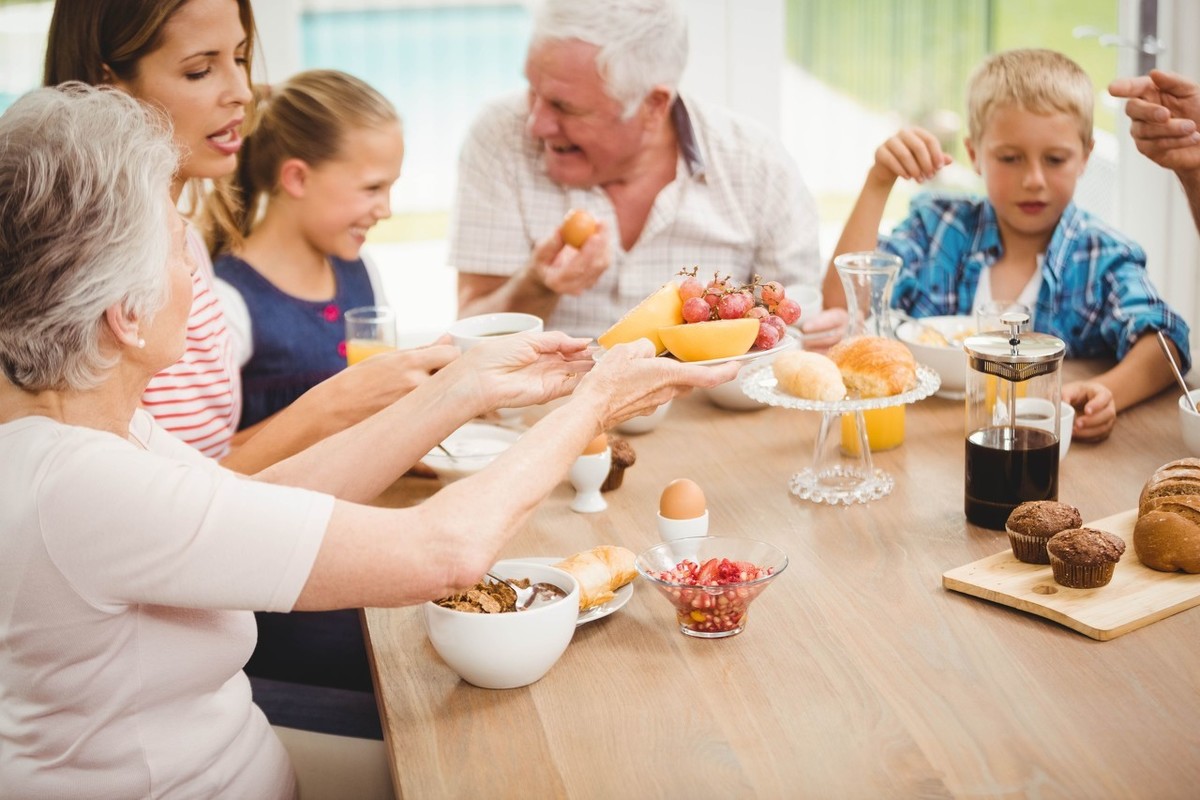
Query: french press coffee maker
{"points": [[1014, 390]]}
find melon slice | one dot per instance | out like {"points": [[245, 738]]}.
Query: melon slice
{"points": [[659, 310], [701, 341]]}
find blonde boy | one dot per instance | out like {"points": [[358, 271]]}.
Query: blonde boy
{"points": [[1030, 137]]}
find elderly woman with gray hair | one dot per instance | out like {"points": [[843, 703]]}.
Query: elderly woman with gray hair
{"points": [[129, 563]]}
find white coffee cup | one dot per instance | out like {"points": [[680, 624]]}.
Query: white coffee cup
{"points": [[1036, 412], [470, 331]]}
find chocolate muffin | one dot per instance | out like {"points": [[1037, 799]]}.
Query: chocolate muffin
{"points": [[622, 457], [1084, 558], [1030, 526]]}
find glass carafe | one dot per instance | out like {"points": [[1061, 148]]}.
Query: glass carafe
{"points": [[1014, 391], [867, 280]]}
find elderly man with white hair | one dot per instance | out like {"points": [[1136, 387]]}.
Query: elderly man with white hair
{"points": [[673, 182]]}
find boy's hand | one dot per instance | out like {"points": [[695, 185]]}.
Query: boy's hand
{"points": [[1164, 109], [1095, 410], [913, 153]]}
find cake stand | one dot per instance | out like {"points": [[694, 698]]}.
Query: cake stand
{"points": [[834, 478]]}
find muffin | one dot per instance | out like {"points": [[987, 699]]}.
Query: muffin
{"points": [[1084, 558], [1030, 526], [622, 457]]}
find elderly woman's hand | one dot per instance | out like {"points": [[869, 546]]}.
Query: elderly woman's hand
{"points": [[526, 369], [629, 381]]}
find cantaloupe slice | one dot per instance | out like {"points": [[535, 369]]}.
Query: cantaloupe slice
{"points": [[659, 310], [700, 341]]}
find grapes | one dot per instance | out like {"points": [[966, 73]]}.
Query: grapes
{"points": [[788, 310], [721, 298], [733, 305], [772, 293], [690, 288], [696, 310], [768, 336]]}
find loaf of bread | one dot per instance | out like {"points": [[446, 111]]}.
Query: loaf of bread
{"points": [[811, 376], [1166, 535], [872, 366]]}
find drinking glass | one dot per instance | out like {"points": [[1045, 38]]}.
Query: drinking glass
{"points": [[370, 330], [867, 281]]}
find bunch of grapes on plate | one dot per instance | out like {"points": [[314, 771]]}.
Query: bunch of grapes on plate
{"points": [[722, 298]]}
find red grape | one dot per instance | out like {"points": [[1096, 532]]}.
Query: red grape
{"points": [[690, 288], [778, 323], [768, 336], [772, 293], [696, 310], [788, 310], [757, 312], [733, 306]]}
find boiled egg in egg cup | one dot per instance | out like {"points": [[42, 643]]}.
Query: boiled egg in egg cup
{"points": [[587, 475], [682, 512]]}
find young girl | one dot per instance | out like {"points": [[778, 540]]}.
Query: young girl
{"points": [[321, 161]]}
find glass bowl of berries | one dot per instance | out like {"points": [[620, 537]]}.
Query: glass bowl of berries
{"points": [[711, 580]]}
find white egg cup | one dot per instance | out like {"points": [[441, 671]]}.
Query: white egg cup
{"points": [[672, 529], [587, 475]]}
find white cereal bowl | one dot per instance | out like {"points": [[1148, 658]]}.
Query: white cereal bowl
{"points": [[505, 651], [646, 422], [474, 446], [1189, 423], [950, 362]]}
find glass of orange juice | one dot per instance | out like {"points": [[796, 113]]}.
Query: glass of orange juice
{"points": [[370, 330]]}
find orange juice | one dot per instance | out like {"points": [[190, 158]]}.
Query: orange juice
{"points": [[361, 349], [885, 430]]}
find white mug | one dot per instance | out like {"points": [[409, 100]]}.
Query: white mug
{"points": [[470, 331], [1035, 412]]}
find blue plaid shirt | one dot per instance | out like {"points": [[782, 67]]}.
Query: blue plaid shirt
{"points": [[1095, 293]]}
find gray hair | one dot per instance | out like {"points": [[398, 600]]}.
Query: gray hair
{"points": [[643, 43], [84, 181]]}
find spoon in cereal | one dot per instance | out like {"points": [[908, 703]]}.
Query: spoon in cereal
{"points": [[526, 597]]}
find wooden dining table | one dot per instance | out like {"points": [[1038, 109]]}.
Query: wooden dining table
{"points": [[857, 674]]}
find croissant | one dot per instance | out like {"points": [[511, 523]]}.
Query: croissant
{"points": [[600, 572]]}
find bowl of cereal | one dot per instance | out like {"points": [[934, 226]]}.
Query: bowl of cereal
{"points": [[479, 636], [937, 342], [469, 449], [711, 581]]}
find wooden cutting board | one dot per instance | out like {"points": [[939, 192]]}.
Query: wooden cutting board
{"points": [[1136, 596]]}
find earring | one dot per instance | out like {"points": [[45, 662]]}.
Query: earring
{"points": [[141, 343]]}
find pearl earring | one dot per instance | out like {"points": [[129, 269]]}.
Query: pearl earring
{"points": [[141, 343]]}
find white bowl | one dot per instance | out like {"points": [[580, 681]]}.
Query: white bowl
{"points": [[474, 446], [1189, 423], [504, 651], [646, 422], [949, 362]]}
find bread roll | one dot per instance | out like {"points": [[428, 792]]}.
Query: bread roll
{"points": [[600, 572], [1166, 535], [872, 366], [811, 376]]}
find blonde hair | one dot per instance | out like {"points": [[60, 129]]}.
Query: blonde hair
{"points": [[307, 117], [1040, 81]]}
